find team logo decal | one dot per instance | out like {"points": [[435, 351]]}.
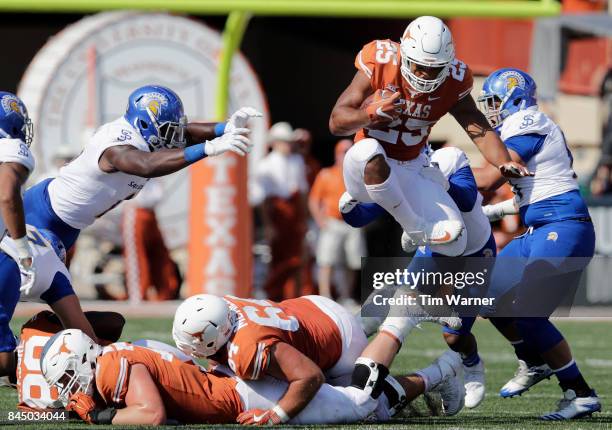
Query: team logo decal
{"points": [[513, 79], [552, 236], [154, 102], [11, 104]]}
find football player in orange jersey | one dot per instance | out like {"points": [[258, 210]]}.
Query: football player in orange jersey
{"points": [[399, 92], [33, 391], [304, 341], [128, 384]]}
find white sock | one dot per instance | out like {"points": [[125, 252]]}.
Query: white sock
{"points": [[389, 195]]}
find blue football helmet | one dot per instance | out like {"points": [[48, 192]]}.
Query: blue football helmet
{"points": [[157, 113], [14, 120], [504, 92]]}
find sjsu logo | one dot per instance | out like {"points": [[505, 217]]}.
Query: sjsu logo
{"points": [[513, 79], [154, 102], [11, 104]]}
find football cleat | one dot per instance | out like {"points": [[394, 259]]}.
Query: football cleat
{"points": [[438, 233], [573, 407], [451, 388], [524, 378], [474, 384]]}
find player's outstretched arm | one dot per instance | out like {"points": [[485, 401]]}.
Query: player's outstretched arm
{"points": [[347, 117], [130, 160], [143, 402], [304, 378], [488, 142]]}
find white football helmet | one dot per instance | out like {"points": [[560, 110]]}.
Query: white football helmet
{"points": [[68, 361], [428, 42], [202, 325]]}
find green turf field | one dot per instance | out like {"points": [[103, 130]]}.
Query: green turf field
{"points": [[591, 343]]}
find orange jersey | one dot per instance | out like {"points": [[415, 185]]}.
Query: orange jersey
{"points": [[32, 389], [262, 323], [327, 189], [190, 394], [404, 138]]}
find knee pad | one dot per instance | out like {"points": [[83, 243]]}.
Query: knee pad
{"points": [[539, 333], [369, 376]]}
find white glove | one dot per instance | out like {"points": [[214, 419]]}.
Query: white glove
{"points": [[433, 173], [234, 141], [499, 210], [346, 203], [240, 118], [25, 263]]}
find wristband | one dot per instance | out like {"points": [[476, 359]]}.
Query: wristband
{"points": [[23, 247], [194, 153], [104, 416], [220, 128], [281, 413]]}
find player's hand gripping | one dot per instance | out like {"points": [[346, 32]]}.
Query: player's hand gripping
{"points": [[83, 405], [234, 141], [240, 119], [260, 417], [512, 169], [385, 107]]}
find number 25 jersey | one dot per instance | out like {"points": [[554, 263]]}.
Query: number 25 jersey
{"points": [[404, 138], [261, 324]]}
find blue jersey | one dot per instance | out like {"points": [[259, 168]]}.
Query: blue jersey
{"points": [[552, 194]]}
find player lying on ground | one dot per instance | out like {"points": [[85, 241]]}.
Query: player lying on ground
{"points": [[303, 341], [128, 384], [558, 245], [52, 285], [152, 139], [455, 175], [398, 94], [33, 391]]}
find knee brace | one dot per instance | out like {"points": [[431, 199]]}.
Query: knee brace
{"points": [[374, 379], [369, 376]]}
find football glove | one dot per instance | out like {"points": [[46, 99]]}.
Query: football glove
{"points": [[240, 118], [234, 141], [83, 405], [512, 169], [385, 107], [260, 417], [26, 264]]}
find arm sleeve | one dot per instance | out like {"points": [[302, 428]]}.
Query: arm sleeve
{"points": [[363, 214], [526, 145], [463, 189]]}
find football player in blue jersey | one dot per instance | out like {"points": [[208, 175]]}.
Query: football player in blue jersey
{"points": [[556, 248], [153, 138], [451, 169], [16, 164]]}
